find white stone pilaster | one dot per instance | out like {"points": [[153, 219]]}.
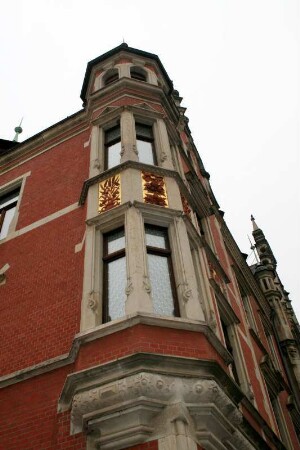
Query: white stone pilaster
{"points": [[128, 138], [162, 143], [124, 70], [190, 306], [90, 306], [138, 287], [96, 161]]}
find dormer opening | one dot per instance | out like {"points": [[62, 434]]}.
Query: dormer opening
{"points": [[137, 73], [110, 77]]}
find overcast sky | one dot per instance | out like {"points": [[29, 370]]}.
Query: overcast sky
{"points": [[235, 62]]}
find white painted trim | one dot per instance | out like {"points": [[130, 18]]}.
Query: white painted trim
{"points": [[40, 222]]}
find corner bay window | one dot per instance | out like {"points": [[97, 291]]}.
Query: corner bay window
{"points": [[112, 147], [145, 143], [8, 204], [160, 271], [114, 271]]}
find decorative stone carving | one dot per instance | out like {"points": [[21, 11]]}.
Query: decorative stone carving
{"points": [[186, 207], [163, 156], [92, 301], [187, 295], [96, 164], [154, 189], [109, 193], [147, 399], [146, 284], [129, 287], [212, 320]]}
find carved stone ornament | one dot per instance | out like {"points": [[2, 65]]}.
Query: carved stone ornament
{"points": [[212, 320], [163, 157], [144, 399], [92, 301], [129, 287], [154, 189], [187, 295], [146, 284], [96, 164], [109, 193], [186, 207]]}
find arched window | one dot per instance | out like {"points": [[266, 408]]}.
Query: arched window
{"points": [[137, 73], [111, 76]]}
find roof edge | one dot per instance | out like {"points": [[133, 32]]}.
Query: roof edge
{"points": [[113, 52]]}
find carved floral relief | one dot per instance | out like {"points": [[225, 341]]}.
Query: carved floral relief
{"points": [[154, 189], [109, 193]]}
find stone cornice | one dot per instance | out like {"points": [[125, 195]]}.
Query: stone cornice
{"points": [[47, 139], [109, 328], [151, 362]]}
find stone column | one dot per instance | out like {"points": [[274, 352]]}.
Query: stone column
{"points": [[124, 70], [138, 287], [190, 306], [96, 146], [128, 139], [163, 149]]}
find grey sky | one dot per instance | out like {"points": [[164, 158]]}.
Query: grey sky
{"points": [[235, 62]]}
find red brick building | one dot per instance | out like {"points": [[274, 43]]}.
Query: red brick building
{"points": [[129, 317]]}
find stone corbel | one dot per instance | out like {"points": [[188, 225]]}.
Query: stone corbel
{"points": [[155, 406]]}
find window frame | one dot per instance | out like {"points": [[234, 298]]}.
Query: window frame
{"points": [[110, 77], [110, 143], [6, 189], [151, 140], [164, 253], [108, 258], [142, 76]]}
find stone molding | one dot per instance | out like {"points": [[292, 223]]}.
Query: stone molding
{"points": [[109, 328], [153, 405]]}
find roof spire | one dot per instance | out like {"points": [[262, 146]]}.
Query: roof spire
{"points": [[255, 227], [18, 131]]}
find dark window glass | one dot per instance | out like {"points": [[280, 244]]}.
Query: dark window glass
{"points": [[114, 260], [160, 271], [138, 74], [230, 349], [112, 147], [145, 144], [8, 204], [111, 77]]}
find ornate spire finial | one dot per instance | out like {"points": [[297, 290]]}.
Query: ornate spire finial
{"points": [[18, 131], [255, 227]]}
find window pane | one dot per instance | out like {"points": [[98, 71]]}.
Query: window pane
{"points": [[113, 155], [113, 134], [161, 290], [9, 198], [143, 131], [116, 279], [9, 214], [156, 237], [115, 241], [145, 151]]}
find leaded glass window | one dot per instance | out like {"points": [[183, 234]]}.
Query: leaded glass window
{"points": [[160, 271], [114, 260]]}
